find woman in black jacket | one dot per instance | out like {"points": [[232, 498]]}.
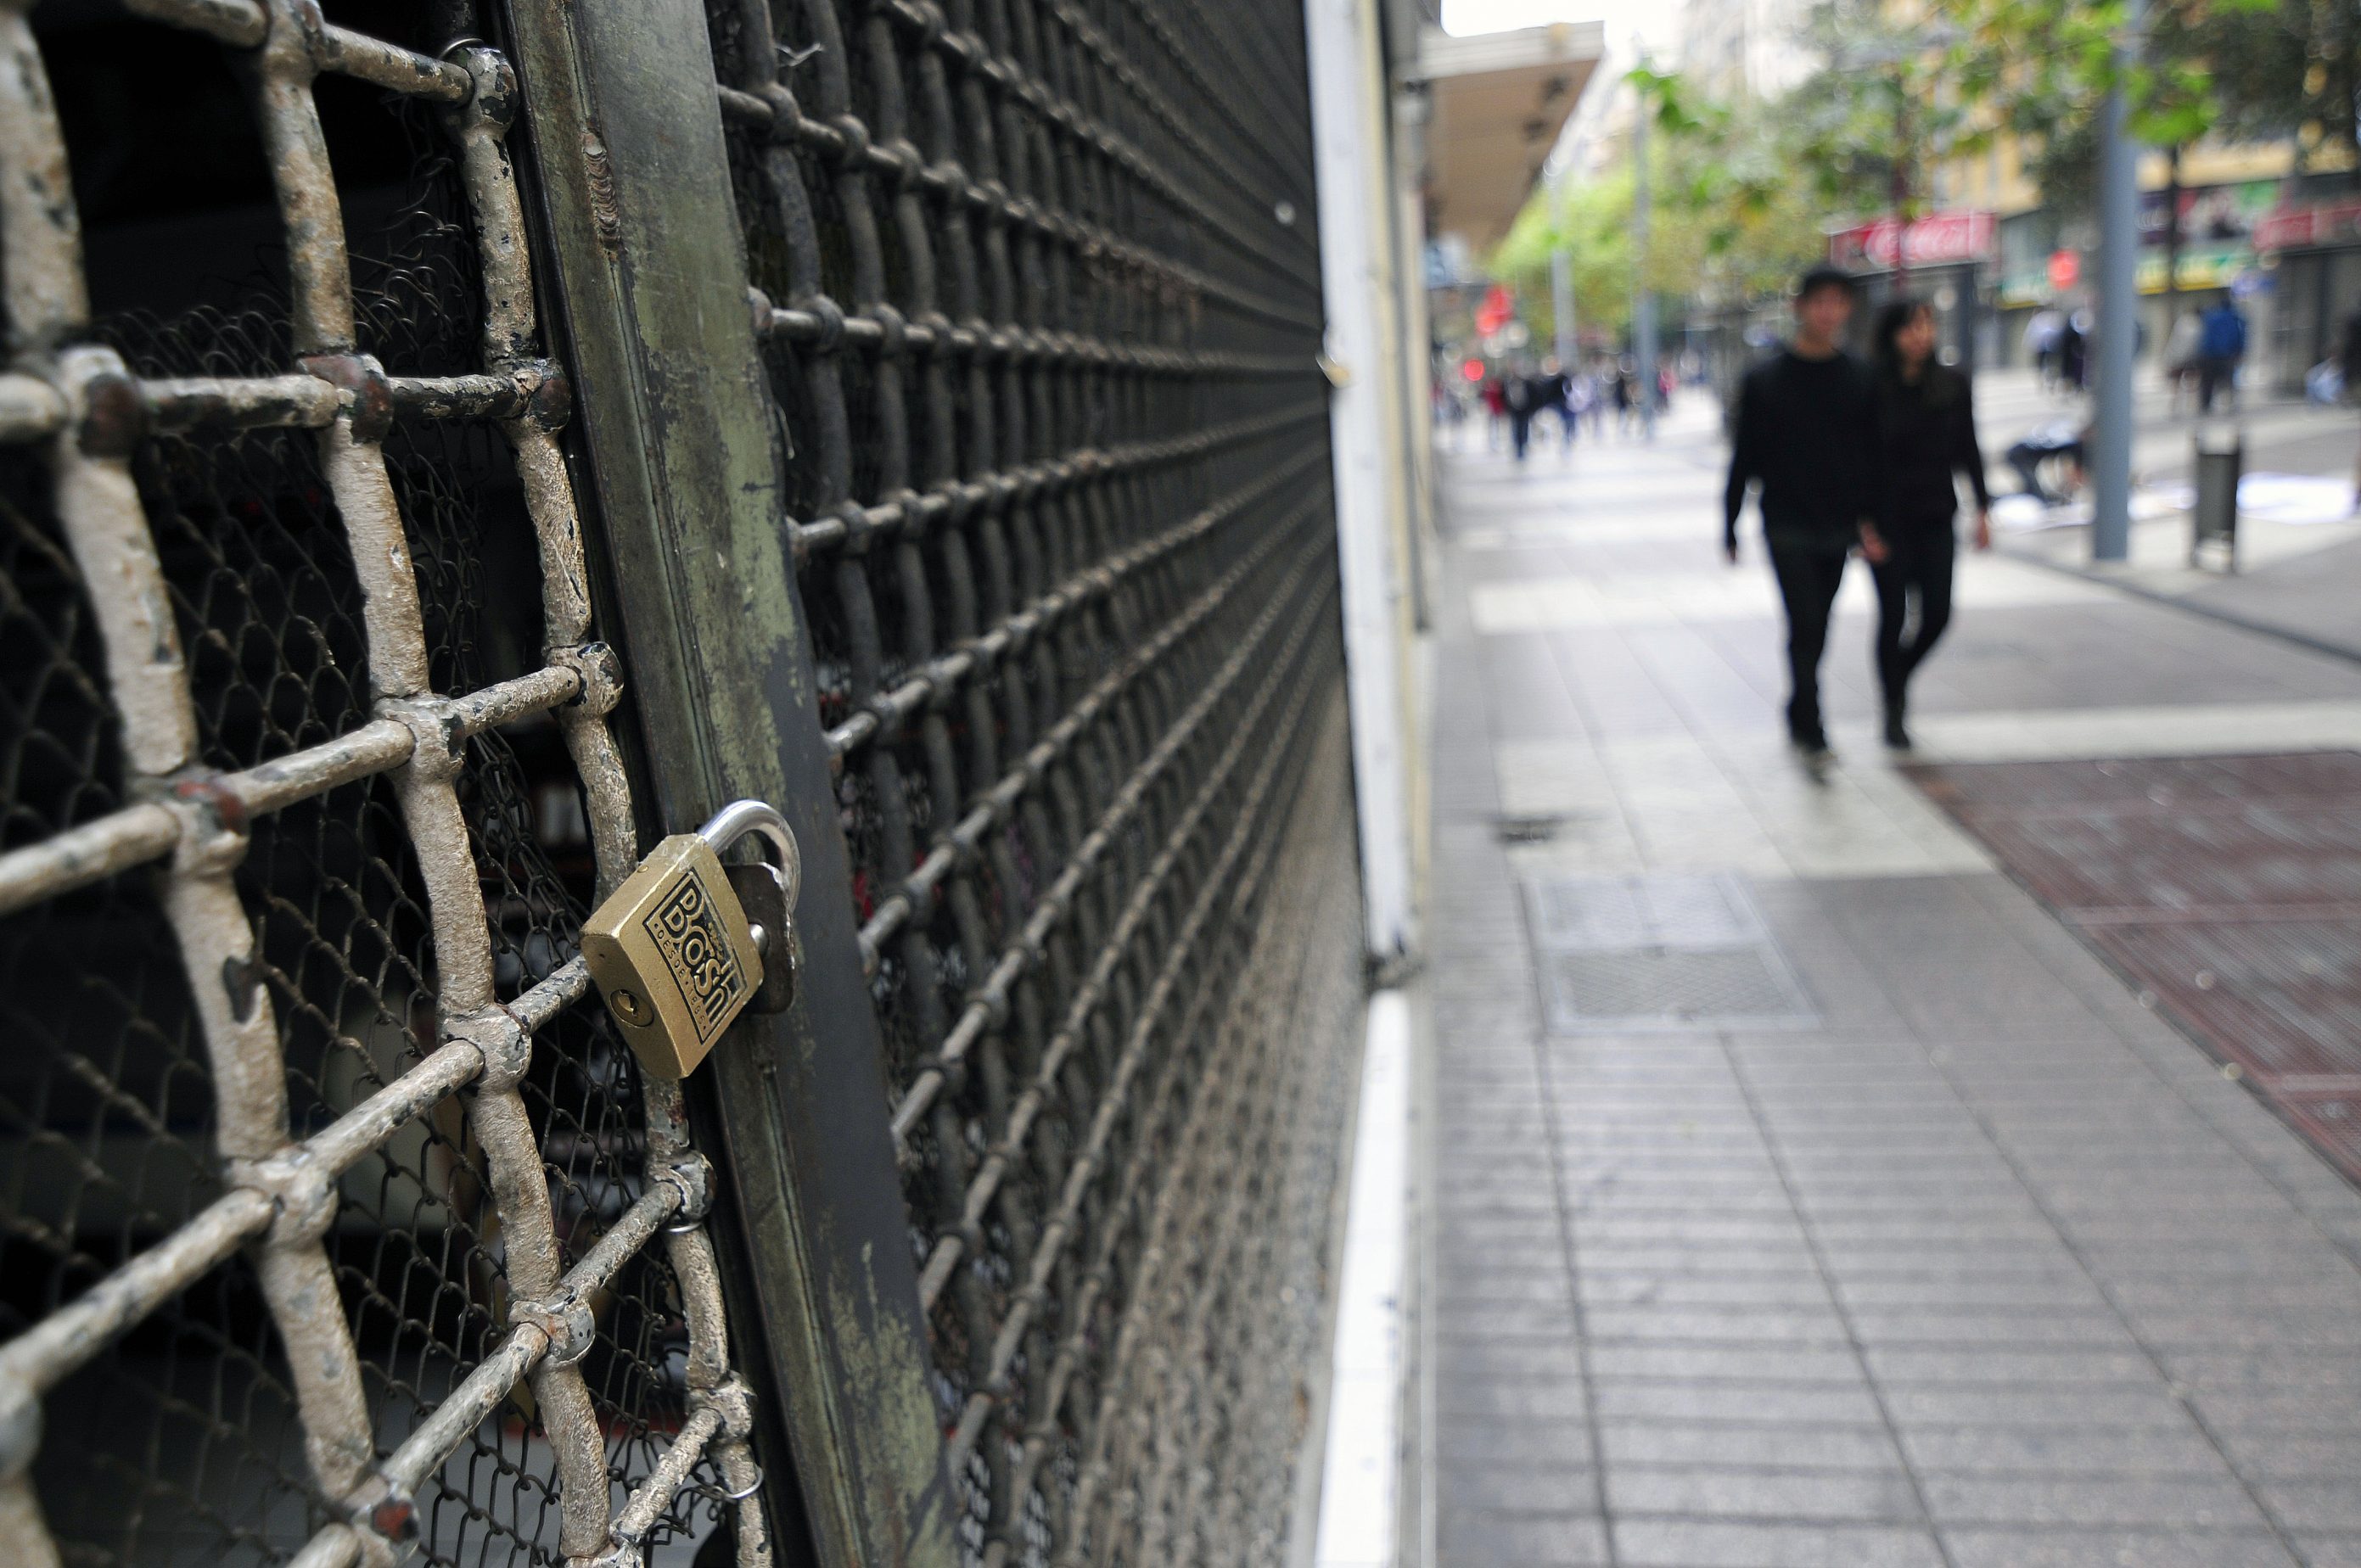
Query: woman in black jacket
{"points": [[1924, 435]]}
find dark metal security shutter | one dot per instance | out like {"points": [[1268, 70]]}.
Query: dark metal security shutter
{"points": [[1038, 292], [924, 403]]}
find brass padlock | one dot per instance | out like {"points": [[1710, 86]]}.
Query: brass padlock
{"points": [[672, 950]]}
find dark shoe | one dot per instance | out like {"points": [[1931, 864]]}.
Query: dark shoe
{"points": [[1897, 737]]}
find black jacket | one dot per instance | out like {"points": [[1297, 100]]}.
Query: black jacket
{"points": [[1926, 435], [1805, 432]]}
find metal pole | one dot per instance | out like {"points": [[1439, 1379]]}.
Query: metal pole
{"points": [[1898, 191], [1643, 305], [1562, 306], [2111, 468]]}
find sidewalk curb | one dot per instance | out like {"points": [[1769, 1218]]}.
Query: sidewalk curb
{"points": [[1359, 1442], [2350, 653]]}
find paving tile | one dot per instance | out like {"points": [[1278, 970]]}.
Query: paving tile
{"points": [[1475, 1539], [1798, 1364], [1555, 1360], [1700, 1492], [1514, 1319], [1759, 1404], [1754, 1325], [1986, 1548], [1685, 1543], [1535, 1443], [1517, 1489], [2194, 1501], [1959, 1403], [2044, 1367], [2328, 1503], [1509, 1397], [2270, 1457], [1721, 1444], [2063, 1451]]}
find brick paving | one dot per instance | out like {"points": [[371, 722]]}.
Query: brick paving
{"points": [[1988, 1267]]}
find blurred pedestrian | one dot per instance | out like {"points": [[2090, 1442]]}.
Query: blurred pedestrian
{"points": [[2353, 388], [1804, 433], [2062, 442], [1496, 409], [2350, 356], [2221, 344], [2074, 351], [2181, 356], [1926, 439], [1520, 395], [2041, 332], [1556, 389], [1582, 401], [1625, 396]]}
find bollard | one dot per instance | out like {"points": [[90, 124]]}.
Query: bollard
{"points": [[2219, 457]]}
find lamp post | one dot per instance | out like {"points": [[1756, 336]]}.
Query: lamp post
{"points": [[1644, 302], [1562, 281], [2111, 467]]}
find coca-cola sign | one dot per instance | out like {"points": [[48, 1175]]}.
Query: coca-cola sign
{"points": [[1939, 239]]}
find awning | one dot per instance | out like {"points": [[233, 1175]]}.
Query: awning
{"points": [[1496, 102]]}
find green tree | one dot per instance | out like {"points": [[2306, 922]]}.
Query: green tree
{"points": [[2041, 70], [1877, 112]]}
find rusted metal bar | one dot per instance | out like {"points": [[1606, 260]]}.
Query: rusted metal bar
{"points": [[240, 23], [94, 851], [30, 409], [36, 1360], [85, 854]]}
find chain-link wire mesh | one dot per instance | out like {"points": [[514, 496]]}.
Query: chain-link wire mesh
{"points": [[328, 1217], [1038, 294]]}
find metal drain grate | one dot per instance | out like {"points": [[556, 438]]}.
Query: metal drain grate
{"points": [[1652, 953]]}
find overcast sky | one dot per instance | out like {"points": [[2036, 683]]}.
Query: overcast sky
{"points": [[1658, 19]]}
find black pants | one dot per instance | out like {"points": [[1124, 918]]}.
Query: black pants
{"points": [[1521, 432], [1916, 575], [1808, 580], [2213, 376]]}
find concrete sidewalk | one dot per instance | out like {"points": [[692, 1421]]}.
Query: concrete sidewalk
{"points": [[1921, 1240]]}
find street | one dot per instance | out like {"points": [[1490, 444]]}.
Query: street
{"points": [[1856, 1172]]}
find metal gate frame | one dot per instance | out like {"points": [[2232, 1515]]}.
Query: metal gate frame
{"points": [[626, 131]]}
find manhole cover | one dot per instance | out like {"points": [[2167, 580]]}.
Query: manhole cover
{"points": [[1648, 953]]}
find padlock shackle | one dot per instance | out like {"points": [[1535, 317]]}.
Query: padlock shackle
{"points": [[740, 817]]}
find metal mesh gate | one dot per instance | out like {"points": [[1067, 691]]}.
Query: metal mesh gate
{"points": [[337, 1224], [332, 1217]]}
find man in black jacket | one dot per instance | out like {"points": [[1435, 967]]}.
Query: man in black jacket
{"points": [[1803, 433]]}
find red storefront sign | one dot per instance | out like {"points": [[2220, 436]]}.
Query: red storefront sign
{"points": [[1494, 313], [1939, 239], [2300, 228]]}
